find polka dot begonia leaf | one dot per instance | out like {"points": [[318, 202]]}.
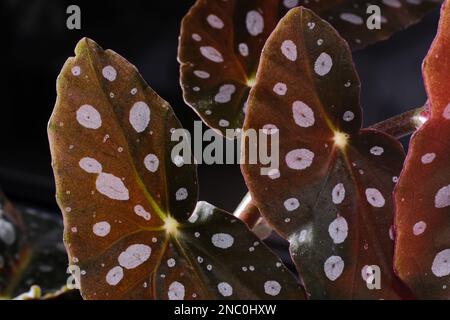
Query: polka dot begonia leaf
{"points": [[422, 197], [31, 250], [221, 43], [331, 196], [132, 221]]}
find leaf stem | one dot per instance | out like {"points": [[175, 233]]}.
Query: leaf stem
{"points": [[247, 211], [403, 124]]}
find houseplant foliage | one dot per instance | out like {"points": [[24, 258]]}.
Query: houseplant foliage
{"points": [[221, 43], [133, 225], [132, 221], [31, 252], [331, 196], [422, 197]]}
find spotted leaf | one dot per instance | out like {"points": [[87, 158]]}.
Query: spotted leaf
{"points": [[128, 206], [422, 256], [331, 195], [221, 43], [31, 250]]}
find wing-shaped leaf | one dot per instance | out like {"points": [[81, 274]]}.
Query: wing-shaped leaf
{"points": [[126, 202], [221, 43], [422, 256], [31, 251], [331, 196]]}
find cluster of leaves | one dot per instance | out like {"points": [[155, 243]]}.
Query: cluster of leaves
{"points": [[132, 221], [222, 40], [133, 225]]}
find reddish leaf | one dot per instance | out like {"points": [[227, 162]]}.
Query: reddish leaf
{"points": [[221, 43], [422, 256], [126, 204], [30, 250], [331, 196]]}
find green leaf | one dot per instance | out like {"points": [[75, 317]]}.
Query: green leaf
{"points": [[331, 196], [31, 251], [221, 44], [422, 255], [130, 223]]}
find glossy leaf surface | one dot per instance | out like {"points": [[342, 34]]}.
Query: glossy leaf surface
{"points": [[331, 196], [130, 223], [31, 251], [221, 43], [422, 256]]}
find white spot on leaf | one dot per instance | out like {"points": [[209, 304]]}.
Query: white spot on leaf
{"points": [[375, 198], [222, 240], [90, 165], [176, 291], [333, 267], [225, 289], [348, 116], [393, 3], [428, 158], [441, 264], [299, 159], [291, 204], [303, 114], [442, 198], [112, 187], [419, 228], [290, 3], [212, 54], [352, 18], [338, 230], [140, 116], [101, 229], [225, 93], [243, 49], [181, 194], [89, 117], [338, 193], [215, 22], [201, 74], [141, 212], [272, 288], [377, 151], [323, 64], [114, 276], [289, 49], [134, 256], [254, 23], [280, 88], [151, 162], [7, 233], [76, 71], [446, 113], [109, 73]]}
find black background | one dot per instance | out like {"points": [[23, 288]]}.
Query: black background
{"points": [[35, 43]]}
